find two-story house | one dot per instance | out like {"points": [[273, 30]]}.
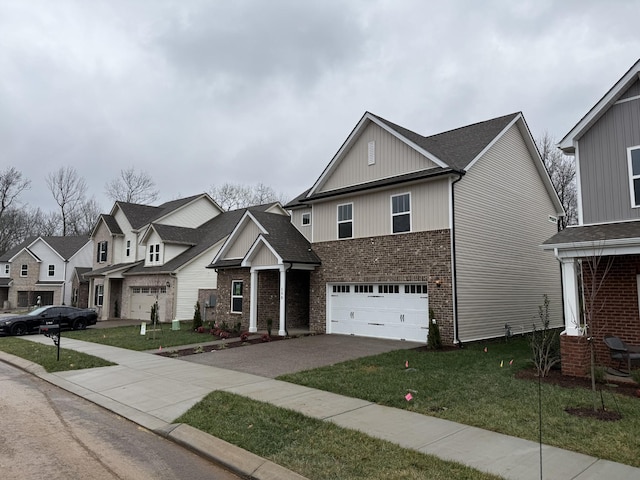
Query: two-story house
{"points": [[600, 257], [42, 270], [145, 255], [399, 225]]}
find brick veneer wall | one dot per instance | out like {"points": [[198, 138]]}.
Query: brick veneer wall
{"points": [[616, 304], [410, 257], [297, 298], [575, 355]]}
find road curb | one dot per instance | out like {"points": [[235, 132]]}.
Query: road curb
{"points": [[232, 457]]}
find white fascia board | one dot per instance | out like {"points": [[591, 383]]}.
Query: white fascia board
{"points": [[40, 239], [247, 217], [357, 131], [569, 140], [246, 261], [620, 246], [25, 249]]}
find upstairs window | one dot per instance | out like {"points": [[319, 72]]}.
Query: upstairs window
{"points": [[24, 270], [345, 220], [633, 155], [154, 253], [401, 213], [306, 219], [102, 252], [236, 296], [128, 248], [6, 269], [52, 270]]}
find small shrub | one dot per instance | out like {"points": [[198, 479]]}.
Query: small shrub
{"points": [[544, 343], [237, 327], [223, 335], [434, 341], [197, 317], [200, 329], [244, 336], [266, 337], [269, 326], [198, 349]]}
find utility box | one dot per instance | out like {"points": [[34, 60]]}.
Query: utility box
{"points": [[175, 324]]}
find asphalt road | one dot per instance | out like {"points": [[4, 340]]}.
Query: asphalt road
{"points": [[48, 433]]}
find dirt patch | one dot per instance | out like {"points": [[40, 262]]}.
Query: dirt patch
{"points": [[599, 414]]}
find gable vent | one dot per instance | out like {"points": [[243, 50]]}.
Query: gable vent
{"points": [[371, 159]]}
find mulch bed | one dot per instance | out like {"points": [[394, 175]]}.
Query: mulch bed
{"points": [[181, 352]]}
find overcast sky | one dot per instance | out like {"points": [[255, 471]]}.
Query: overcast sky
{"points": [[198, 93]]}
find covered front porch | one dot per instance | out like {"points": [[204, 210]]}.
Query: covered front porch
{"points": [[600, 267]]}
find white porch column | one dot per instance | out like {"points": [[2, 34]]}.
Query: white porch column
{"points": [[106, 299], [570, 291], [282, 331], [253, 305]]}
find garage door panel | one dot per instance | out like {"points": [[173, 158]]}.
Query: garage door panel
{"points": [[383, 315]]}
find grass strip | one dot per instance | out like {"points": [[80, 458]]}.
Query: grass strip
{"points": [[129, 337], [313, 448], [46, 355], [477, 387]]}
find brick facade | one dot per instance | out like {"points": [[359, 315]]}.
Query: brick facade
{"points": [[297, 298], [615, 307], [575, 355], [411, 257], [24, 289]]}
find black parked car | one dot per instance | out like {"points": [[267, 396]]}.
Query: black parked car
{"points": [[67, 317]]}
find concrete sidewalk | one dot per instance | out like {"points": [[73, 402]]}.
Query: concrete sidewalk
{"points": [[153, 391]]}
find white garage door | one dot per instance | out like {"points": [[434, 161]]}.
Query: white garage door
{"points": [[394, 311], [143, 298]]}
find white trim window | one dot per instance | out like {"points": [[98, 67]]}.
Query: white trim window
{"points": [[306, 219], [102, 251], [7, 269], [52, 270], [345, 220], [24, 270], [237, 286], [401, 213], [633, 156], [154, 253], [128, 248], [99, 296]]}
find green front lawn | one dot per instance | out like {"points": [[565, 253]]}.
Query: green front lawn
{"points": [[471, 387], [129, 337], [313, 448], [46, 355]]}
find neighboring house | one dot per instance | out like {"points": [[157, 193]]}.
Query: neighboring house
{"points": [[146, 254], [42, 268], [398, 225], [606, 147]]}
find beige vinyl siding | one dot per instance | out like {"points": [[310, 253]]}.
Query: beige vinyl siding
{"points": [[192, 215], [296, 219], [372, 212], [172, 251], [501, 218], [392, 158], [604, 167], [193, 277], [243, 241], [264, 257]]}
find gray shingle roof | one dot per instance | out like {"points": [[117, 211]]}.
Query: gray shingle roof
{"points": [[6, 256], [596, 233], [66, 247], [456, 148], [112, 224]]}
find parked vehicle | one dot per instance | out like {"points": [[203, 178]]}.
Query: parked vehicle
{"points": [[67, 317]]}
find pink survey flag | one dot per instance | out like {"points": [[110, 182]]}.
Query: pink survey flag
{"points": [[406, 364], [485, 349], [160, 349], [511, 362], [408, 397]]}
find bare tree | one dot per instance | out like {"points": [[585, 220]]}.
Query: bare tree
{"points": [[68, 190], [562, 170], [11, 186], [132, 187], [232, 196], [85, 217]]}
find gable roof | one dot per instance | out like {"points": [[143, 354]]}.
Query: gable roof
{"points": [[453, 151], [600, 108], [65, 247], [110, 222], [12, 252]]}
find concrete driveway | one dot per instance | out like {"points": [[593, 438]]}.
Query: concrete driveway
{"points": [[297, 354]]}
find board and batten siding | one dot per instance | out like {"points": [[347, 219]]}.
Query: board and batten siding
{"points": [[192, 215], [372, 211], [264, 257], [502, 211], [296, 219], [603, 164], [193, 277], [243, 240], [393, 157]]}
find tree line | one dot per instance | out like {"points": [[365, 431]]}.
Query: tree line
{"points": [[76, 213]]}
